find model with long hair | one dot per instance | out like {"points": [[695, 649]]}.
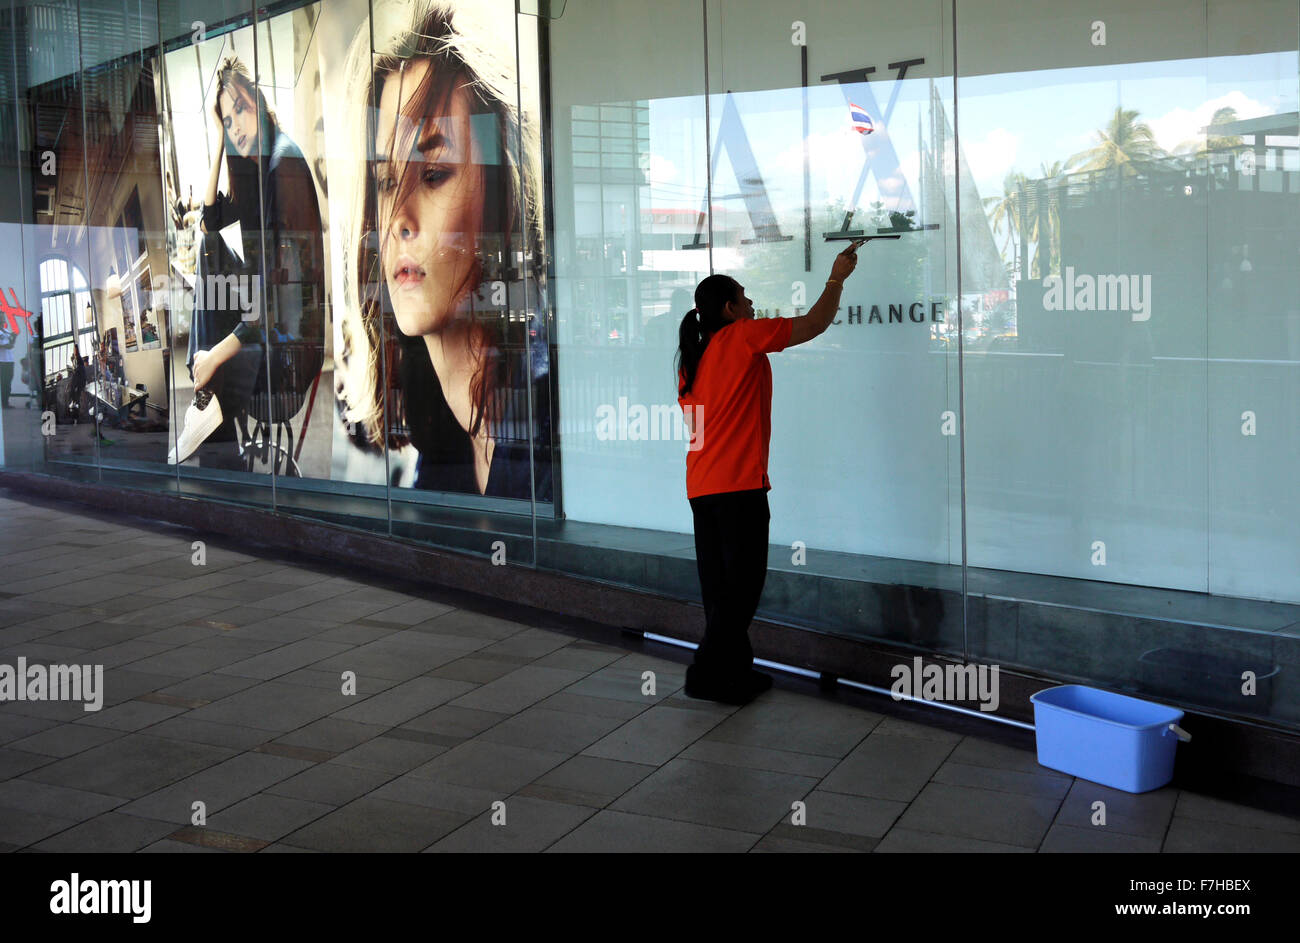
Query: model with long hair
{"points": [[445, 205], [271, 194]]}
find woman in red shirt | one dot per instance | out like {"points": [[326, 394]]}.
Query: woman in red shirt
{"points": [[725, 391]]}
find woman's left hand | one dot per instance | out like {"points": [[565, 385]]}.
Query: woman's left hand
{"points": [[204, 369]]}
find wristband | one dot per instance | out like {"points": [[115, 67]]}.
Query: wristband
{"points": [[834, 281]]}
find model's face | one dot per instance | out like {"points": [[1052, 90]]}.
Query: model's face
{"points": [[428, 238], [239, 116], [740, 310]]}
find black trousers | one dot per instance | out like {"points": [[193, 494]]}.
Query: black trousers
{"points": [[731, 554]]}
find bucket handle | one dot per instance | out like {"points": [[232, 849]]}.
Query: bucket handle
{"points": [[1180, 733]]}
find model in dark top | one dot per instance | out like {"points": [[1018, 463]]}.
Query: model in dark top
{"points": [[444, 217], [271, 195]]}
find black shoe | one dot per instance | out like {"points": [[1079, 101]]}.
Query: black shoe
{"points": [[735, 690], [760, 681]]}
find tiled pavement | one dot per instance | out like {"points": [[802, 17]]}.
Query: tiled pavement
{"points": [[223, 685]]}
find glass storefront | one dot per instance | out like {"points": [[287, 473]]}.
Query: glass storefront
{"points": [[419, 268]]}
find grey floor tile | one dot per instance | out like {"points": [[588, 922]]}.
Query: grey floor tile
{"points": [[20, 827], [1147, 814], [179, 635], [131, 766], [130, 715], [56, 801], [286, 658], [332, 680], [1071, 838], [17, 726], [1193, 806], [354, 634], [331, 783], [390, 754], [332, 734], [208, 687], [452, 721], [730, 797], [604, 780], [612, 831], [771, 844], [908, 840], [530, 643], [412, 612], [976, 752], [216, 787], [267, 816], [124, 684], [432, 794], [852, 815], [599, 706], [283, 628], [383, 659], [708, 750], [1204, 835], [405, 701], [781, 720], [520, 825], [126, 653], [248, 647], [66, 740], [545, 729], [885, 766], [419, 639], [61, 711], [186, 729], [475, 669], [168, 846], [1004, 780], [578, 659], [110, 832], [493, 766], [966, 812], [621, 684], [655, 736], [464, 622], [519, 689], [17, 762], [376, 825], [906, 728], [274, 706], [96, 636]]}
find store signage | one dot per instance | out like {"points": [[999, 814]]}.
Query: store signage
{"points": [[13, 311], [917, 312]]}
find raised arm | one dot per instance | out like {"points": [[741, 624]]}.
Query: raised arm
{"points": [[214, 174], [822, 313]]}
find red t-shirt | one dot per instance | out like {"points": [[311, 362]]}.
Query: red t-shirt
{"points": [[731, 407]]}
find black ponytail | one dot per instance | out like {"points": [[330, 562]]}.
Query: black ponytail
{"points": [[700, 324]]}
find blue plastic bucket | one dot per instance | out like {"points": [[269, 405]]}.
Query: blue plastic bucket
{"points": [[1118, 741]]}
